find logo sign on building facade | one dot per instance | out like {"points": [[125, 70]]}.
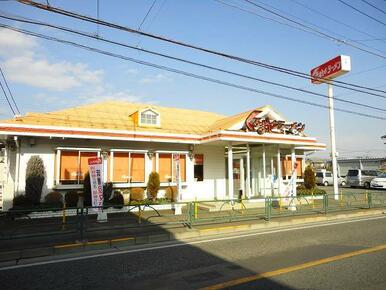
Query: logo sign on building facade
{"points": [[96, 180], [331, 69]]}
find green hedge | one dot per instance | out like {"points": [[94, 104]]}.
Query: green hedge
{"points": [[301, 190]]}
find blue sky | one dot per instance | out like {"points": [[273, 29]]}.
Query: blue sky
{"points": [[47, 76]]}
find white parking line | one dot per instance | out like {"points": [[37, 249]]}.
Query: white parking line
{"points": [[181, 244]]}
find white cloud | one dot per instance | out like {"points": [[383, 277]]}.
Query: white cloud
{"points": [[28, 67], [155, 79], [107, 96], [132, 71]]}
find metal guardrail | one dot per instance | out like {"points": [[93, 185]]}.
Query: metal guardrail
{"points": [[81, 223]]}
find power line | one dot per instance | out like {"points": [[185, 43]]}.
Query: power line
{"points": [[195, 47], [185, 73], [322, 28], [375, 7], [361, 12], [316, 30], [147, 14], [9, 91], [338, 21], [45, 24], [6, 97]]}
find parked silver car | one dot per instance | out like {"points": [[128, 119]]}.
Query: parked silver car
{"points": [[359, 177], [325, 178]]}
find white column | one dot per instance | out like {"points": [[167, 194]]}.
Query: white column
{"points": [[105, 169], [248, 183], [111, 165], [57, 169], [294, 175], [264, 172], [17, 167], [272, 181], [230, 171], [242, 176], [278, 171], [332, 137]]}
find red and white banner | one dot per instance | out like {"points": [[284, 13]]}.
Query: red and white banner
{"points": [[95, 165], [331, 69]]}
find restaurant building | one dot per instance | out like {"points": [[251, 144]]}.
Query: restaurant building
{"points": [[255, 153]]}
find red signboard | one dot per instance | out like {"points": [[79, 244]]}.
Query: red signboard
{"points": [[331, 69]]}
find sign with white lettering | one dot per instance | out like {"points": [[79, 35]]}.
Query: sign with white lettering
{"points": [[331, 69], [95, 165]]}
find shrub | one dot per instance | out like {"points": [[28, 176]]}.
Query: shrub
{"points": [[137, 194], [301, 190], [71, 198], [117, 198], [309, 178], [153, 185], [54, 198], [107, 190], [34, 181], [87, 189], [171, 193], [22, 201]]}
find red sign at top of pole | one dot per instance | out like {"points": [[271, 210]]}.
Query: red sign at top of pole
{"points": [[331, 69]]}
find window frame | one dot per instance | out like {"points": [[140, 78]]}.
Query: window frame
{"points": [[149, 112], [59, 150], [129, 183]]}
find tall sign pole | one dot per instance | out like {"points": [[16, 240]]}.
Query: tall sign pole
{"points": [[322, 74], [332, 139]]}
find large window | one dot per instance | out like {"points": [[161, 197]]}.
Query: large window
{"points": [[167, 169], [128, 167], [287, 167], [198, 167], [74, 165]]}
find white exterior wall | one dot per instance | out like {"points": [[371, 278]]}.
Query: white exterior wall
{"points": [[47, 154], [214, 184]]}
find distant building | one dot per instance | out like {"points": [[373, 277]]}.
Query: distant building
{"points": [[361, 163]]}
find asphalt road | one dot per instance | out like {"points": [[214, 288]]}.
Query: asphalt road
{"points": [[330, 189], [227, 260]]}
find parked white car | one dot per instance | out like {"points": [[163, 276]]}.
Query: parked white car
{"points": [[325, 178], [379, 182]]}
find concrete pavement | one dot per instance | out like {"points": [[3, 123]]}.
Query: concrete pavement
{"points": [[223, 258]]}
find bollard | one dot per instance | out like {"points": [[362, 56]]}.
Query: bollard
{"points": [[313, 201], [64, 216], [139, 214], [341, 198], [81, 224], [369, 199], [280, 203], [366, 195], [195, 208]]}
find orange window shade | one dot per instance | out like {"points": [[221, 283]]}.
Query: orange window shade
{"points": [[68, 166], [299, 167], [183, 167], [165, 167], [137, 167], [108, 167], [286, 167], [121, 167], [84, 156]]}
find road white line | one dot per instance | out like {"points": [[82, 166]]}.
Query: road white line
{"points": [[181, 244]]}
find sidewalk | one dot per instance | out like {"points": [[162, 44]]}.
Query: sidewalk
{"points": [[13, 251]]}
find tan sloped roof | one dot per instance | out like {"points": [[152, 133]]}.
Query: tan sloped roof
{"points": [[115, 115]]}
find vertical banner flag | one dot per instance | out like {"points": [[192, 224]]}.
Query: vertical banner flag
{"points": [[176, 159], [96, 180]]}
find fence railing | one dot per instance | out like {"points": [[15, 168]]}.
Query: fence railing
{"points": [[79, 224]]}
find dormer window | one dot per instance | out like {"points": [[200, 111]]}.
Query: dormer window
{"points": [[149, 117]]}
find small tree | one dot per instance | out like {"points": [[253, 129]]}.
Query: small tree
{"points": [[153, 185], [87, 189], [309, 178], [34, 179]]}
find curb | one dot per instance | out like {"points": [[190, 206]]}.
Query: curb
{"points": [[15, 256]]}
